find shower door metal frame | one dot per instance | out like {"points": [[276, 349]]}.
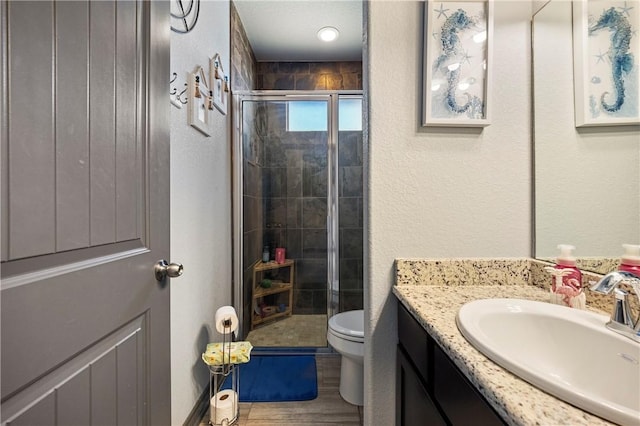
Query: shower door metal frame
{"points": [[333, 235]]}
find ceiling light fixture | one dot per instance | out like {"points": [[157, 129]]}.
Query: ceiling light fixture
{"points": [[328, 34]]}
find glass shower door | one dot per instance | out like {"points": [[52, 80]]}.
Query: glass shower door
{"points": [[285, 187], [350, 208], [298, 162]]}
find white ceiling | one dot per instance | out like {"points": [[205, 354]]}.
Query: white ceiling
{"points": [[285, 31]]}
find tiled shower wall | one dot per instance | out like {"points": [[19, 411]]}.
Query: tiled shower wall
{"points": [[295, 200], [295, 197], [243, 61], [309, 76], [350, 190], [252, 198], [243, 77]]}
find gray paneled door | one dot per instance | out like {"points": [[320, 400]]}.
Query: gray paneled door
{"points": [[85, 213]]}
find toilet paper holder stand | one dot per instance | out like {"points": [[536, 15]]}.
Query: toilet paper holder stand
{"points": [[218, 374]]}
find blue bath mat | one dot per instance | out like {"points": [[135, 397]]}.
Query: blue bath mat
{"points": [[277, 378]]}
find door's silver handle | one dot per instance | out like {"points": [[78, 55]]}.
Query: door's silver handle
{"points": [[164, 269]]}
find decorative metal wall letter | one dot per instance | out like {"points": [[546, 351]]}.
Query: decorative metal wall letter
{"points": [[198, 104], [184, 19], [219, 83], [174, 96], [458, 40], [606, 62]]}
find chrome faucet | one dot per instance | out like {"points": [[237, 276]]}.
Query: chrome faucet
{"points": [[622, 321]]}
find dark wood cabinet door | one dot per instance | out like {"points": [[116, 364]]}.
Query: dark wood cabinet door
{"points": [[457, 397], [414, 406]]}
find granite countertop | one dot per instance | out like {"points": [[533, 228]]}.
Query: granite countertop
{"points": [[517, 402]]}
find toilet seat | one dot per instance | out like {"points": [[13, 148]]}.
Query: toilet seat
{"points": [[348, 325], [346, 337]]}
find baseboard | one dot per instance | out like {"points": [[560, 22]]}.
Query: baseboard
{"points": [[199, 409]]}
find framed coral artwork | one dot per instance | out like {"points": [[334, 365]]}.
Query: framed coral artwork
{"points": [[457, 63], [606, 54]]}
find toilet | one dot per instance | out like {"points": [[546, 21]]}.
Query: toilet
{"points": [[346, 335]]}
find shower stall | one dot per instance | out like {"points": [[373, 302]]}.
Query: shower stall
{"points": [[298, 213]]}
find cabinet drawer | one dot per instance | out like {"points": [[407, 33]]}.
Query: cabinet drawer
{"points": [[457, 397], [413, 339]]}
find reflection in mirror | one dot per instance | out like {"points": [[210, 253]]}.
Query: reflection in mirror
{"points": [[587, 180]]}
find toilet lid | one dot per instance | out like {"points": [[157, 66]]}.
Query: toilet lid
{"points": [[350, 323]]}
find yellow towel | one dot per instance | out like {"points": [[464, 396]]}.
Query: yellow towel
{"points": [[233, 353]]}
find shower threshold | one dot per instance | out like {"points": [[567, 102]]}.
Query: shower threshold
{"points": [[294, 331]]}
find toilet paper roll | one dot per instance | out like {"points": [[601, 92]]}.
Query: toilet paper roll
{"points": [[226, 320], [224, 405]]}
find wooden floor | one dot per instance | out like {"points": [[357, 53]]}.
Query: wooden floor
{"points": [[327, 409]]}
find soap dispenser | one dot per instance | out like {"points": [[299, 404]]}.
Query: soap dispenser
{"points": [[630, 261], [566, 286]]}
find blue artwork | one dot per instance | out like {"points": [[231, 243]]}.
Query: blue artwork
{"points": [[458, 66], [613, 68]]}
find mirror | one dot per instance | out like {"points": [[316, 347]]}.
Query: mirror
{"points": [[587, 180]]}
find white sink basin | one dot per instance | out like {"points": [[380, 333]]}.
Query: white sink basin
{"points": [[566, 352]]}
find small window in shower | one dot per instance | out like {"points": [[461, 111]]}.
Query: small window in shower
{"points": [[350, 114], [307, 116]]}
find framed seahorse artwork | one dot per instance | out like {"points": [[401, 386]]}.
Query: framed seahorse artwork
{"points": [[606, 55], [457, 63]]}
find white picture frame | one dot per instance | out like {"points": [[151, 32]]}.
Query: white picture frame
{"points": [[606, 72], [220, 84], [199, 114], [457, 62]]}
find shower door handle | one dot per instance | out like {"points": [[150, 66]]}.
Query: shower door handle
{"points": [[332, 281], [329, 235], [330, 248]]}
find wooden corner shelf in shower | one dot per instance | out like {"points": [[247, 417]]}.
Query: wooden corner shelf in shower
{"points": [[278, 286]]}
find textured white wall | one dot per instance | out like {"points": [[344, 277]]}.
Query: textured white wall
{"points": [[536, 5], [438, 192], [200, 215]]}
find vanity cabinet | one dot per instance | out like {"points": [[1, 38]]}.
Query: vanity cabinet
{"points": [[430, 389]]}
